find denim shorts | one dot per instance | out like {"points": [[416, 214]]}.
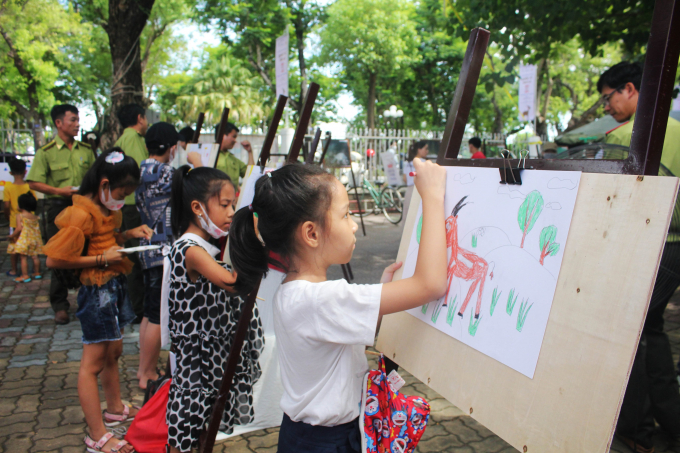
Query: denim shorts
{"points": [[104, 310], [153, 283], [299, 437]]}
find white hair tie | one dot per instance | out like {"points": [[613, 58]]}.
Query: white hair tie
{"points": [[115, 157]]}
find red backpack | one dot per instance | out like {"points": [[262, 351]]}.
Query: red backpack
{"points": [[148, 432], [391, 422]]}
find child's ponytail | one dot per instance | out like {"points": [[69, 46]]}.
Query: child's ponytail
{"points": [[246, 249], [283, 200]]}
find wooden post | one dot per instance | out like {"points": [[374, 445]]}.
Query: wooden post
{"points": [[199, 126], [207, 438], [656, 88], [326, 144], [271, 132], [463, 96], [301, 129], [222, 129], [312, 149]]}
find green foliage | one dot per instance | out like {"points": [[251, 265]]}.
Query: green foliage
{"points": [[528, 212], [451, 313], [523, 313], [546, 242], [373, 41], [510, 305], [474, 324], [222, 81], [36, 55], [494, 299]]}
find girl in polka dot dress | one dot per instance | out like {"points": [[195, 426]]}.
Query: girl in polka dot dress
{"points": [[204, 311]]}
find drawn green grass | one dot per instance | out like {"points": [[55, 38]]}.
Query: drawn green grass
{"points": [[494, 299], [436, 312], [510, 306], [424, 309], [474, 324], [452, 310], [474, 241], [522, 315]]}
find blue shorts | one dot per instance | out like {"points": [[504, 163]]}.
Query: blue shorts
{"points": [[104, 310], [299, 437], [153, 284]]}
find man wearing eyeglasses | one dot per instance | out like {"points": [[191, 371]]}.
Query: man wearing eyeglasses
{"points": [[652, 392], [620, 87]]}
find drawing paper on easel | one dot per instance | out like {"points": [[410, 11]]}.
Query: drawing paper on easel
{"points": [[505, 246]]}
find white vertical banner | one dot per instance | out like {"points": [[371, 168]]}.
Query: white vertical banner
{"points": [[527, 92], [391, 169], [282, 64]]}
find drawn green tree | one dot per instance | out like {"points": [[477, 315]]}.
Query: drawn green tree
{"points": [[528, 213], [547, 242]]}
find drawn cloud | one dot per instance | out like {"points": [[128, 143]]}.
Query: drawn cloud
{"points": [[463, 178], [557, 183], [512, 193], [555, 206]]}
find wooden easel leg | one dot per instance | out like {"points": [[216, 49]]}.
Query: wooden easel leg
{"points": [[349, 271], [344, 273], [356, 194], [207, 439]]}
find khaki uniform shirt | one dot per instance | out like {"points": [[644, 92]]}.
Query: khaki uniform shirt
{"points": [[670, 155], [57, 166], [234, 167], [133, 144]]}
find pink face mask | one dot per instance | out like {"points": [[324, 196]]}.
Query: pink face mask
{"points": [[209, 227], [111, 203]]}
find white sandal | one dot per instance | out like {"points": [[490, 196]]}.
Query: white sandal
{"points": [[111, 420], [96, 447]]}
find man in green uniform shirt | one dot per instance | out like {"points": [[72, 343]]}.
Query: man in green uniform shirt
{"points": [[226, 161], [652, 392], [57, 171], [133, 118]]}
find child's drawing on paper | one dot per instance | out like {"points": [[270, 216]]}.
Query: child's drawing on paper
{"points": [[505, 245]]}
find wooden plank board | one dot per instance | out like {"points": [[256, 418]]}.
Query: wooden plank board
{"points": [[571, 405]]}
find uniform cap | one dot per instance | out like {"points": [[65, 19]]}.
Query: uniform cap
{"points": [[161, 136]]}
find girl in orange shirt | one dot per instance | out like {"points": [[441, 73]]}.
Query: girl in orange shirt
{"points": [[89, 239]]}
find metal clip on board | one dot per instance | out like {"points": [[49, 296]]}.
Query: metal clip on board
{"points": [[511, 175]]}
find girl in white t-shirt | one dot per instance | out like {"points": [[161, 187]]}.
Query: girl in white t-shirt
{"points": [[299, 221]]}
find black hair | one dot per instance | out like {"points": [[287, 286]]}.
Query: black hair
{"points": [[58, 111], [476, 142], [119, 174], [16, 166], [186, 134], [230, 127], [619, 75], [27, 202], [293, 194], [413, 149], [200, 184], [128, 114]]}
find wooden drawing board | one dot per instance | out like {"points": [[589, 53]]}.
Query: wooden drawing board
{"points": [[571, 405]]}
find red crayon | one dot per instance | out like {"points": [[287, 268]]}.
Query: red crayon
{"points": [[412, 173]]}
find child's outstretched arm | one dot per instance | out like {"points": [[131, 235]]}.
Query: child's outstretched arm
{"points": [[428, 282], [199, 262], [111, 256]]}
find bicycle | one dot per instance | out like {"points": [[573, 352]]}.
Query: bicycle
{"points": [[389, 201]]}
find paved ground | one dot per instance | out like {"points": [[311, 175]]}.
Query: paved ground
{"points": [[39, 409]]}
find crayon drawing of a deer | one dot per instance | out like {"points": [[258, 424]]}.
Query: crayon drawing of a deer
{"points": [[464, 264]]}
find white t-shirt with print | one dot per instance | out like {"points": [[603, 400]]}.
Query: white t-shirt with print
{"points": [[322, 330]]}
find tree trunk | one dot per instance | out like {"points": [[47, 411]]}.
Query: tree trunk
{"points": [[542, 123], [370, 106], [498, 114], [124, 28], [300, 37]]}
